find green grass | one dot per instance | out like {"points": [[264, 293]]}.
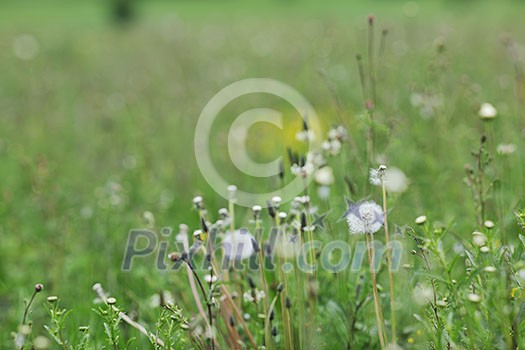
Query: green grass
{"points": [[97, 96]]}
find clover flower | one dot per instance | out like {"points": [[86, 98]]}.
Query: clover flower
{"points": [[364, 217]]}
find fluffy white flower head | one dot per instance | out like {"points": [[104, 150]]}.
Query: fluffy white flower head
{"points": [[487, 111], [364, 217], [324, 176], [238, 246], [374, 177], [395, 180]]}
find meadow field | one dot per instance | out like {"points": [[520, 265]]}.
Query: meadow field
{"points": [[415, 139]]}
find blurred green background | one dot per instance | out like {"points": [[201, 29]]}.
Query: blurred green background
{"points": [[98, 116]]}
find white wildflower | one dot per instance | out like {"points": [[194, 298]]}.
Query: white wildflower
{"points": [[276, 200], [232, 189], [316, 158], [506, 148], [487, 111], [323, 192], [25, 47], [395, 180], [375, 177], [305, 135], [303, 171], [324, 176], [254, 296], [210, 279], [338, 133], [41, 343], [157, 299], [239, 245], [478, 239], [420, 220], [441, 303], [364, 217], [422, 294], [427, 103], [149, 218], [475, 298]]}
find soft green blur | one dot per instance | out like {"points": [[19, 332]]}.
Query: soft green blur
{"points": [[98, 118]]}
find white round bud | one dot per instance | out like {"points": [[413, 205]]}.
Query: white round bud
{"points": [[420, 220], [489, 224]]}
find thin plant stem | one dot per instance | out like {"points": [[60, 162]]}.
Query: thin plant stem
{"points": [[371, 257], [389, 261], [239, 316], [263, 281], [193, 287], [284, 280], [235, 308], [312, 253], [208, 301], [26, 310], [372, 78], [371, 67], [362, 77]]}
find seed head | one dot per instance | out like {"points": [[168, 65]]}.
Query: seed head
{"points": [[39, 287], [276, 200], [287, 302], [364, 217], [197, 202], [175, 256]]}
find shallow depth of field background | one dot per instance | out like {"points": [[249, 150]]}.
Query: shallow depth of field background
{"points": [[98, 117]]}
